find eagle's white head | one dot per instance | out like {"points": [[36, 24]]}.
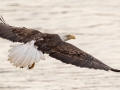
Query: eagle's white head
{"points": [[66, 37]]}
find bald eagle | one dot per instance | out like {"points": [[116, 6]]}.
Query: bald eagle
{"points": [[34, 44]]}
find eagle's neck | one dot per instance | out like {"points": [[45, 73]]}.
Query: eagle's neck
{"points": [[63, 37]]}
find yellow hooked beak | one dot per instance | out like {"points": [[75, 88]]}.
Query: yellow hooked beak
{"points": [[71, 36]]}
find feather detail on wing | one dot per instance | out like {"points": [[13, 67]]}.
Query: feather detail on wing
{"points": [[18, 34], [23, 55], [70, 54]]}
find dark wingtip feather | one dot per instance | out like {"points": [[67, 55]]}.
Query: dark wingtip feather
{"points": [[2, 20], [115, 70]]}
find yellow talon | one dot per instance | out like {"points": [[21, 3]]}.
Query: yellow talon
{"points": [[31, 66]]}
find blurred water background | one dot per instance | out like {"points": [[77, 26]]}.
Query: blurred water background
{"points": [[96, 25]]}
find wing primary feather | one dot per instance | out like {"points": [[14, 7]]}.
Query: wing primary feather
{"points": [[70, 54]]}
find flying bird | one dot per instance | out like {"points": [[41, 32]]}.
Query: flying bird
{"points": [[34, 44]]}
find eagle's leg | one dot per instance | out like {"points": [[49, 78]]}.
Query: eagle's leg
{"points": [[31, 66]]}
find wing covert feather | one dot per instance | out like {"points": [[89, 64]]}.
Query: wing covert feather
{"points": [[18, 34], [70, 54]]}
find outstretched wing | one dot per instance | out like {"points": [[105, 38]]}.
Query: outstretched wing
{"points": [[70, 54], [17, 34]]}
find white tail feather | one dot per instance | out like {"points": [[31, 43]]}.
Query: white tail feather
{"points": [[24, 60], [16, 55], [15, 45], [42, 55], [20, 57], [16, 50], [38, 57], [28, 59], [23, 55], [33, 58]]}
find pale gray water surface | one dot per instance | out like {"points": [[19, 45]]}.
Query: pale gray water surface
{"points": [[96, 24]]}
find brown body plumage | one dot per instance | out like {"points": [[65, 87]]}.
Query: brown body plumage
{"points": [[53, 45]]}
